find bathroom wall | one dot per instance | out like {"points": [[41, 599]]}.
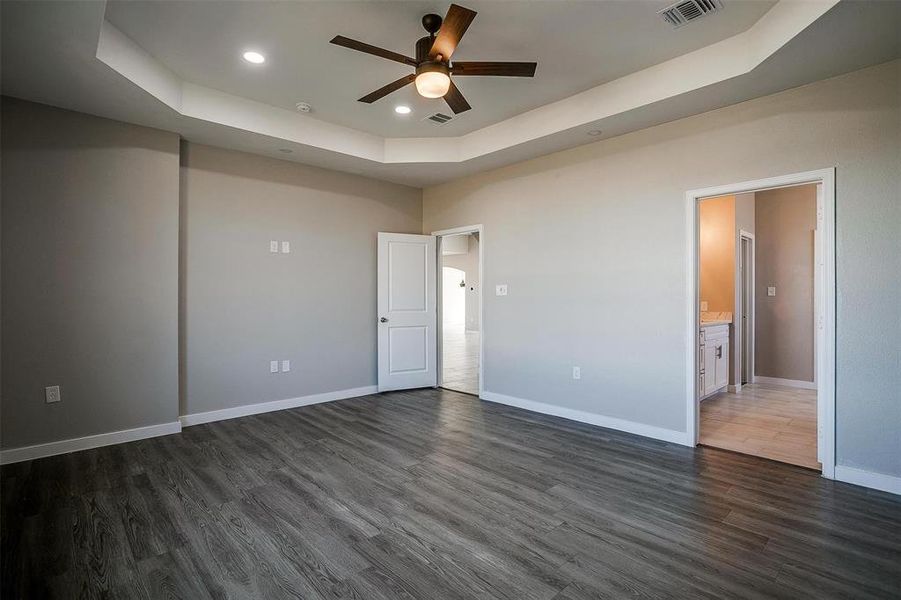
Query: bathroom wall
{"points": [[716, 253], [784, 340]]}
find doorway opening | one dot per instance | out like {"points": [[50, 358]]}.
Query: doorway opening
{"points": [[762, 319], [460, 309]]}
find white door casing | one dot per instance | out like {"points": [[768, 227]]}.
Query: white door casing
{"points": [[407, 311]]}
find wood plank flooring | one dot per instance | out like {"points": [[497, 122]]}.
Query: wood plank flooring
{"points": [[460, 359], [432, 494], [775, 422]]}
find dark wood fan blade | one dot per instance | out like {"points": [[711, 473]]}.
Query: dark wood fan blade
{"points": [[455, 100], [452, 29], [391, 87], [340, 40], [495, 69]]}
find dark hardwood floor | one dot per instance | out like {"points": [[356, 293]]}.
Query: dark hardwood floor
{"points": [[433, 494]]}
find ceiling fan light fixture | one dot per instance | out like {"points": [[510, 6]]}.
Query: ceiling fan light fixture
{"points": [[432, 80]]}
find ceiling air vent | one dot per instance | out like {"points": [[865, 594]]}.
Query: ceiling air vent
{"points": [[681, 13], [438, 118]]}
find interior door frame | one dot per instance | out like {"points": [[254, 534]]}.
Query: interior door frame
{"points": [[740, 338], [825, 284], [440, 329]]}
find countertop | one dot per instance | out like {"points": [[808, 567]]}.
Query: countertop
{"points": [[712, 323]]}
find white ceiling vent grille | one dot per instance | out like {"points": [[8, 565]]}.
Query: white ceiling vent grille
{"points": [[681, 13], [438, 118]]}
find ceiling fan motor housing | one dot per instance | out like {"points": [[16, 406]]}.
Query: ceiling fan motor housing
{"points": [[423, 46], [432, 66]]}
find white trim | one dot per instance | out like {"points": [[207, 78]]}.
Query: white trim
{"points": [[752, 311], [795, 383], [825, 352], [657, 433], [870, 479], [455, 231], [264, 407], [14, 455]]}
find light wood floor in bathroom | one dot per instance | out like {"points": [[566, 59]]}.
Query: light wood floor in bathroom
{"points": [[775, 422]]}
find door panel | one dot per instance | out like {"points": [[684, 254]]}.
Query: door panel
{"points": [[407, 311]]}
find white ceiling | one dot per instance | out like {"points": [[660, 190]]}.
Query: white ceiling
{"points": [[578, 45], [63, 54]]}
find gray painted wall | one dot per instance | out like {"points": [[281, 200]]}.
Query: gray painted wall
{"points": [[90, 274], [784, 336], [243, 306], [591, 242]]}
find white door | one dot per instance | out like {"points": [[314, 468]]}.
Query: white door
{"points": [[407, 311]]}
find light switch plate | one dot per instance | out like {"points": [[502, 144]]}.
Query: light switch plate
{"points": [[771, 290], [500, 290], [51, 394], [704, 306], [286, 366], [577, 372], [273, 366], [286, 247], [273, 246]]}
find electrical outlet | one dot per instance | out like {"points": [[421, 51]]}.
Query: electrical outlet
{"points": [[286, 366], [51, 394], [577, 372], [771, 290], [704, 306], [286, 247], [273, 246], [500, 290], [273, 366]]}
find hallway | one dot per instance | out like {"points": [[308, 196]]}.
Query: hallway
{"points": [[460, 359]]}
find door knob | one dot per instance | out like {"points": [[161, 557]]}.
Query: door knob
{"points": [[383, 319]]}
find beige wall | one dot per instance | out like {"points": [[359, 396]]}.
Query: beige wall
{"points": [[242, 306], [784, 336], [90, 274], [716, 253], [592, 245], [469, 263]]}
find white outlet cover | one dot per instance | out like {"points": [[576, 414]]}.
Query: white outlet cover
{"points": [[286, 247], [771, 290], [500, 290], [273, 246], [51, 394], [273, 366], [286, 366], [577, 372], [704, 306]]}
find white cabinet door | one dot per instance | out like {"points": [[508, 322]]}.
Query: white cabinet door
{"points": [[709, 368], [722, 364], [407, 310]]}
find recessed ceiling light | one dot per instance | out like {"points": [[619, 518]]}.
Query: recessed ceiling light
{"points": [[254, 57], [595, 132], [285, 150], [303, 107], [402, 110]]}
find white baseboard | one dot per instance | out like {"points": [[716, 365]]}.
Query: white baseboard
{"points": [[795, 383], [658, 433], [870, 479], [14, 455], [264, 407]]}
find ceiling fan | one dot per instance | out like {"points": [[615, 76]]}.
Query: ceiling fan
{"points": [[433, 60]]}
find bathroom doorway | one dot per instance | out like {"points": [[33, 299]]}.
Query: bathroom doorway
{"points": [[762, 319]]}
